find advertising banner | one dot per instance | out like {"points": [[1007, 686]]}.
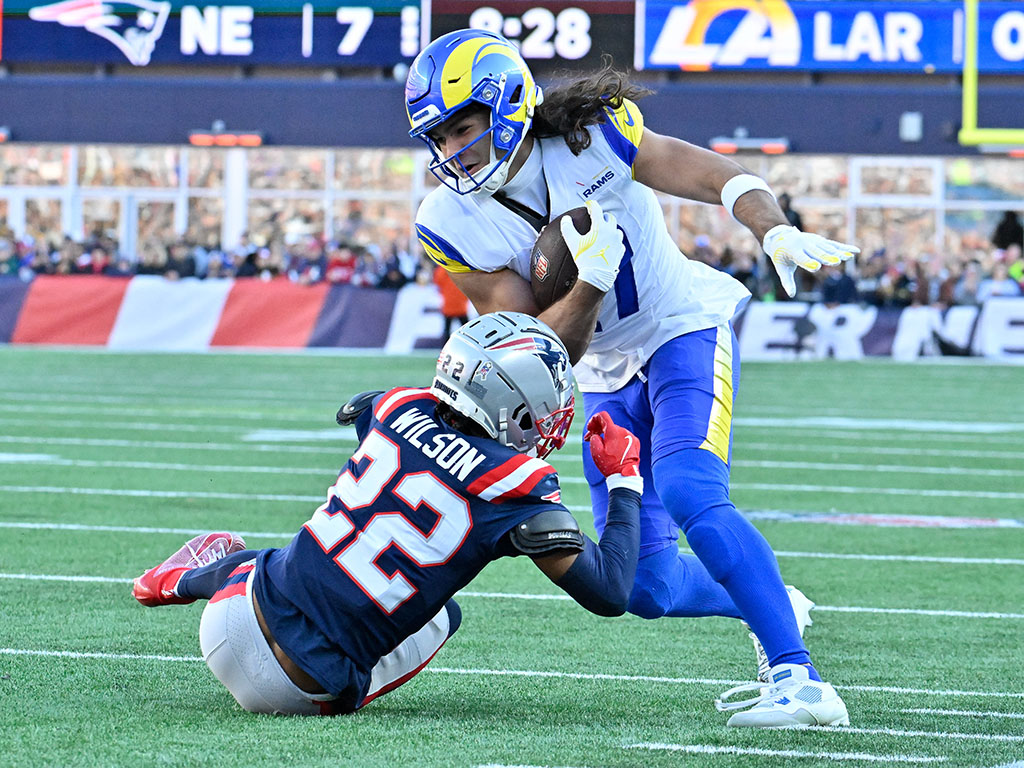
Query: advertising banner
{"points": [[145, 32]]}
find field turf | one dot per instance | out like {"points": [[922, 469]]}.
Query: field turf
{"points": [[109, 461]]}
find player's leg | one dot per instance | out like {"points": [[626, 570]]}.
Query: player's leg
{"points": [[205, 560], [239, 656], [692, 381], [414, 653], [667, 583]]}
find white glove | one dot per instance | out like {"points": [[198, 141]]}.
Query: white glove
{"points": [[790, 248], [597, 253]]}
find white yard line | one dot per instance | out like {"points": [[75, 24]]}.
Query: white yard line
{"points": [[51, 526], [903, 469], [924, 734], [865, 490], [187, 446], [141, 492], [56, 461], [541, 674], [566, 598], [901, 425], [705, 749], [242, 497], [139, 529], [170, 412], [965, 713], [882, 450], [822, 608]]}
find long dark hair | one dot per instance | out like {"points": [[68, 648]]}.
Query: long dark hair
{"points": [[571, 105]]}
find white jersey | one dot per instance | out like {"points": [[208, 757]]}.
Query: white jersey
{"points": [[659, 294]]}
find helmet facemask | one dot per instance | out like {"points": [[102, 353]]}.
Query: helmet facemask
{"points": [[510, 374], [501, 82]]}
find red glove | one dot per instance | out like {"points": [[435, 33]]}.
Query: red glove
{"points": [[615, 449]]}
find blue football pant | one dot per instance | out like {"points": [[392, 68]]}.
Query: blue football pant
{"points": [[681, 410]]}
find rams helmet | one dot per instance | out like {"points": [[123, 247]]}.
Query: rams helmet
{"points": [[510, 374], [462, 68]]}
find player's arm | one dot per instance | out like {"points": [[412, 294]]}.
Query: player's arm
{"points": [[598, 576], [573, 317], [678, 168]]}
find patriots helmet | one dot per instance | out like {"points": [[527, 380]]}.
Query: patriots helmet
{"points": [[509, 373], [462, 68]]}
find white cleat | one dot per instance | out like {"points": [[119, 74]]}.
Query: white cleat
{"points": [[790, 700], [802, 610]]}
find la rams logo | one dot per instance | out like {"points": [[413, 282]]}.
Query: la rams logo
{"points": [[133, 26]]}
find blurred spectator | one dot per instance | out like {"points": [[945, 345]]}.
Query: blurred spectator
{"points": [[999, 284], [180, 262], [119, 267], [838, 287], [454, 305], [306, 261], [1008, 231], [1015, 264], [792, 216], [341, 263], [966, 290]]}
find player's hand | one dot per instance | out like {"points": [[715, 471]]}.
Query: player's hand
{"points": [[615, 450], [598, 251], [790, 248]]}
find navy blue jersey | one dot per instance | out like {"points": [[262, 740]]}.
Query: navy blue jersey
{"points": [[416, 513]]}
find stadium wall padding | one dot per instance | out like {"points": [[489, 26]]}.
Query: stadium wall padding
{"points": [[823, 118], [153, 313]]}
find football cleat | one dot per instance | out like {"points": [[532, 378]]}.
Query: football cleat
{"points": [[158, 586], [790, 700], [802, 610]]}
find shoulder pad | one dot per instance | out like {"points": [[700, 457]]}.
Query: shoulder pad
{"points": [[350, 411], [547, 531]]}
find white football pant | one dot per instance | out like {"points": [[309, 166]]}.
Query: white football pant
{"points": [[238, 655]]}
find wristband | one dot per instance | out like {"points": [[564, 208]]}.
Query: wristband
{"points": [[737, 186], [632, 482]]}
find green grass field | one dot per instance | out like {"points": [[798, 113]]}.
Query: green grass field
{"points": [[108, 462]]}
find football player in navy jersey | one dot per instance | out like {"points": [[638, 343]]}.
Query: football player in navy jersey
{"points": [[649, 331], [444, 481]]}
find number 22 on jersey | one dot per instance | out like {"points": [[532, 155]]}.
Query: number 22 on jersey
{"points": [[389, 528]]}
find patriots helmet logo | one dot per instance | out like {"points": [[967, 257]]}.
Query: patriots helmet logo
{"points": [[133, 26]]}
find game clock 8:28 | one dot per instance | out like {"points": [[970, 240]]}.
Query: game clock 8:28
{"points": [[540, 33], [555, 34]]}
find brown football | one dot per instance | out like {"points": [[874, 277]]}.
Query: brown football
{"points": [[552, 269]]}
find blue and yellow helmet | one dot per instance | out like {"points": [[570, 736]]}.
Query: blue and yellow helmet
{"points": [[465, 67]]}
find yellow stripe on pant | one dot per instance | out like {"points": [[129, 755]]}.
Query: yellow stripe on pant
{"points": [[720, 420]]}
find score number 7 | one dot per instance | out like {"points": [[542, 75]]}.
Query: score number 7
{"points": [[386, 529], [359, 21]]}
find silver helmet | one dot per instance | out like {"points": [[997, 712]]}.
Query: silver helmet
{"points": [[510, 374]]}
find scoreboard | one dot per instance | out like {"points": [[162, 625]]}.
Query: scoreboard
{"points": [[686, 35], [550, 35]]}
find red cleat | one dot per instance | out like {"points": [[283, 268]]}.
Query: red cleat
{"points": [[157, 585]]}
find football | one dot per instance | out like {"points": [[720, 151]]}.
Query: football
{"points": [[552, 269]]}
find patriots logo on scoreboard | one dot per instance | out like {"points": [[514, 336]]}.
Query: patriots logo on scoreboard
{"points": [[133, 26]]}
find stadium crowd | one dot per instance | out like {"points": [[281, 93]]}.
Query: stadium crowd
{"points": [[984, 268]]}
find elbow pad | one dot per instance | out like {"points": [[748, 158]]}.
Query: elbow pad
{"points": [[349, 412], [545, 532]]}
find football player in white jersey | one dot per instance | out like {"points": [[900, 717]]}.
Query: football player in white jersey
{"points": [[651, 330]]}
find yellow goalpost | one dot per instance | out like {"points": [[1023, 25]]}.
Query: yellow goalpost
{"points": [[970, 134]]}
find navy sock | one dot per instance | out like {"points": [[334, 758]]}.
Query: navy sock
{"points": [[203, 582]]}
